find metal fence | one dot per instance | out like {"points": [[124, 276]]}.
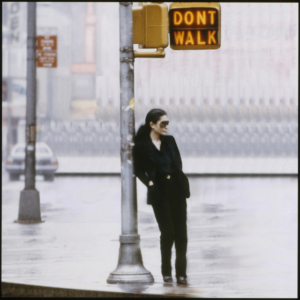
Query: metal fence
{"points": [[256, 138]]}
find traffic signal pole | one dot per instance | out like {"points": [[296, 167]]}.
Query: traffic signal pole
{"points": [[130, 267], [29, 207]]}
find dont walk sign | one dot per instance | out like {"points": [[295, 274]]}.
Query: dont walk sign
{"points": [[195, 26]]}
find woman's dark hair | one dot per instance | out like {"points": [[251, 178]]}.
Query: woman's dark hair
{"points": [[152, 116]]}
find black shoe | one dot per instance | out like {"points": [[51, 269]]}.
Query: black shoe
{"points": [[181, 280], [167, 278]]}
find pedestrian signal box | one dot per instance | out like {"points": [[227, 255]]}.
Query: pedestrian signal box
{"points": [[150, 25], [195, 26]]}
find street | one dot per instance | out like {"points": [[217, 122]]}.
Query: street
{"points": [[242, 236]]}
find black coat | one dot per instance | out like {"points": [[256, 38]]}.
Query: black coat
{"points": [[145, 166]]}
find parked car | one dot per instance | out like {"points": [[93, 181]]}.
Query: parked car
{"points": [[45, 162]]}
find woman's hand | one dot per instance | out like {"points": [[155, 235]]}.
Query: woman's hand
{"points": [[150, 183]]}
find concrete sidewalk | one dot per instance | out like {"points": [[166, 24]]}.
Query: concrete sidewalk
{"points": [[191, 165], [72, 253], [242, 240]]}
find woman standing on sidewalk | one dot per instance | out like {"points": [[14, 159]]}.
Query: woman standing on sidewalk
{"points": [[157, 163]]}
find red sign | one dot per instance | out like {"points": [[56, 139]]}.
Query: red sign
{"points": [[46, 51], [47, 59], [46, 43]]}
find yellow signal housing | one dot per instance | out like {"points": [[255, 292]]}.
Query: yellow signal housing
{"points": [[150, 25]]}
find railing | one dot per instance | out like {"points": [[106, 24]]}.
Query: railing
{"points": [[219, 138]]}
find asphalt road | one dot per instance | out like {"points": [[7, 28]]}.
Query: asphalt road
{"points": [[242, 235]]}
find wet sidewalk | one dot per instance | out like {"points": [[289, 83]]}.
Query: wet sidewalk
{"points": [[242, 239]]}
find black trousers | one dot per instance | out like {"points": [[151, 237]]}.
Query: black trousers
{"points": [[171, 217]]}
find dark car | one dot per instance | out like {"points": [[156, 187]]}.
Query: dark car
{"points": [[46, 163]]}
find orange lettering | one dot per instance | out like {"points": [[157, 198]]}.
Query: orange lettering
{"points": [[211, 37], [199, 39], [179, 35], [177, 18], [189, 38], [212, 19], [201, 18], [188, 13]]}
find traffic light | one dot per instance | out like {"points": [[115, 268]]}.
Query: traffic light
{"points": [[192, 26], [195, 26], [150, 25]]}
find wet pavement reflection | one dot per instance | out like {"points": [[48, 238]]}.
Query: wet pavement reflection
{"points": [[242, 236]]}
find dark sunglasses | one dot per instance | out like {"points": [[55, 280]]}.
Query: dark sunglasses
{"points": [[163, 124]]}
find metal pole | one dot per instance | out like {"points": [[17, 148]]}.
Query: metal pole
{"points": [[9, 122], [50, 99], [9, 101], [130, 267], [29, 208]]}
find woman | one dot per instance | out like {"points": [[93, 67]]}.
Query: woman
{"points": [[158, 165]]}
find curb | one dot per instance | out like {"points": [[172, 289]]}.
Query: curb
{"points": [[25, 290], [188, 174]]}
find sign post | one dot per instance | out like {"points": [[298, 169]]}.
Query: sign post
{"points": [[29, 207], [130, 267]]}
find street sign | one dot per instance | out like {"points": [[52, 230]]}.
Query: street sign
{"points": [[195, 26], [46, 42], [46, 59], [46, 51]]}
